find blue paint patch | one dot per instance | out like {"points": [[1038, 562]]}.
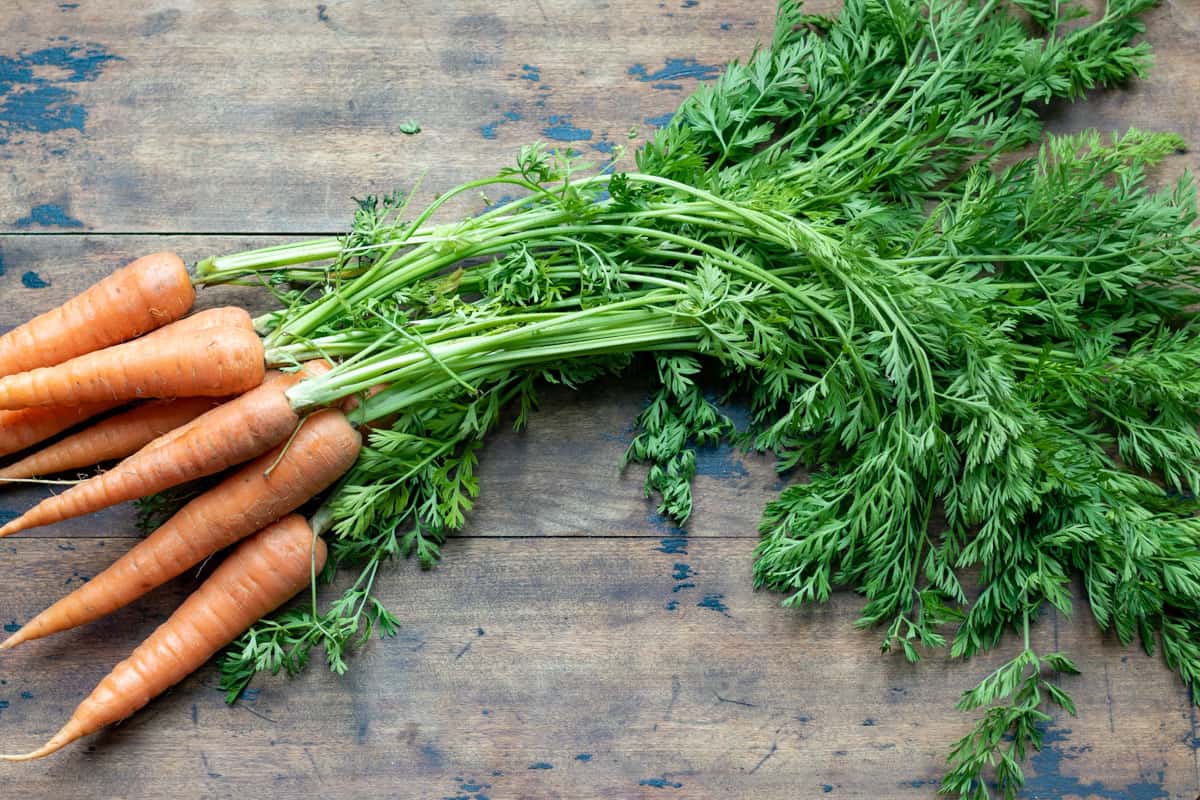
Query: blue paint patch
{"points": [[690, 3], [660, 783], [487, 712], [12, 627], [682, 572], [432, 754], [670, 87], [681, 586], [725, 26], [672, 545], [479, 631], [489, 130], [68, 6], [31, 280], [604, 146], [34, 102], [918, 783], [531, 73], [714, 602], [675, 69], [541, 765], [512, 116], [26, 695], [560, 129], [249, 695], [826, 788], [502, 200], [48, 215], [1, 262], [584, 757], [661, 121], [721, 462], [671, 605], [496, 773], [868, 723], [1047, 779]]}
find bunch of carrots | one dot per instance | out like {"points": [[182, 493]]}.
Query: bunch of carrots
{"points": [[203, 403]]}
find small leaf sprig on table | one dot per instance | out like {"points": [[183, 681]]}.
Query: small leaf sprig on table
{"points": [[829, 230]]}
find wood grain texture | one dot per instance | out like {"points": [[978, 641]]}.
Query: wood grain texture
{"points": [[618, 657], [537, 668], [287, 109]]}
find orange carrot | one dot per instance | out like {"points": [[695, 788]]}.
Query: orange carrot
{"points": [[27, 427], [231, 433], [249, 499], [308, 370], [259, 576], [148, 293], [219, 317], [115, 437], [206, 363]]}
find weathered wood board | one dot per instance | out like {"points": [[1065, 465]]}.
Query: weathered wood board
{"points": [[574, 668], [572, 644]]}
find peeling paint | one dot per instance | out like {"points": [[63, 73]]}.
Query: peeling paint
{"points": [[661, 121], [714, 602], [660, 783], [31, 280], [35, 88], [48, 215], [561, 129], [676, 69]]}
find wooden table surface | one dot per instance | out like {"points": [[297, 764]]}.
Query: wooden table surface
{"points": [[572, 643]]}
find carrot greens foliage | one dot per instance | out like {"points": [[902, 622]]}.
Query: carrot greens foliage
{"points": [[988, 367]]}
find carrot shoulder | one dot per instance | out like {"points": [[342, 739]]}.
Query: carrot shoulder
{"points": [[249, 499], [259, 576], [142, 296], [206, 363], [116, 437]]}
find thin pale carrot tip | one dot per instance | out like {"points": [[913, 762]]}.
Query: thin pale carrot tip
{"points": [[41, 752], [11, 641], [10, 528]]}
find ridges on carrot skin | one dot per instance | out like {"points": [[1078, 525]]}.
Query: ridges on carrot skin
{"points": [[263, 573], [146, 294], [229, 434], [207, 363], [249, 499], [116, 437], [26, 427]]}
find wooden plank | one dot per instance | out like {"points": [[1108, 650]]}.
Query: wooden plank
{"points": [[539, 668], [567, 465], [260, 116], [267, 116]]}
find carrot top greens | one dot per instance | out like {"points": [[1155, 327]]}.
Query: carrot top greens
{"points": [[988, 368]]}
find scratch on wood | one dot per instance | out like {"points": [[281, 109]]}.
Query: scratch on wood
{"points": [[675, 687], [1112, 727], [207, 768], [312, 761], [258, 714], [731, 701], [763, 760]]}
